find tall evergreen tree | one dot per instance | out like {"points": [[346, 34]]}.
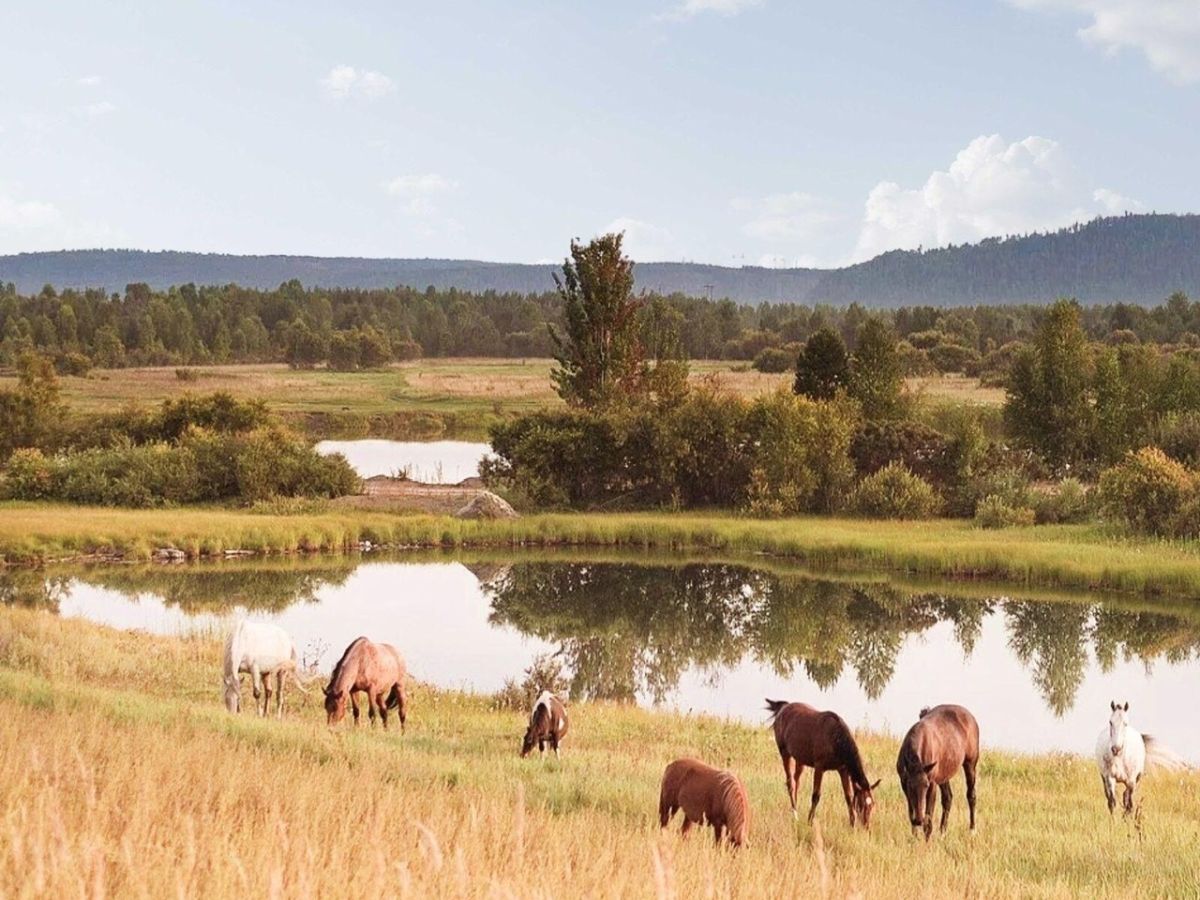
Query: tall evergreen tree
{"points": [[823, 367]]}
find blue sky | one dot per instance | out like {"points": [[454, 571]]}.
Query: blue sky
{"points": [[726, 131]]}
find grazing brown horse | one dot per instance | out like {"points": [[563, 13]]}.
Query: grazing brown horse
{"points": [[547, 724], [706, 795], [944, 739], [376, 670], [809, 737]]}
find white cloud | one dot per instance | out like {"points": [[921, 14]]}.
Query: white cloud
{"points": [[1114, 204], [344, 82], [689, 8], [18, 215], [96, 110], [417, 191], [88, 81], [1166, 31], [784, 218], [643, 241], [991, 188]]}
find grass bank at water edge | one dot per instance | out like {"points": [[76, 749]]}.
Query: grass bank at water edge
{"points": [[1066, 556], [121, 774]]}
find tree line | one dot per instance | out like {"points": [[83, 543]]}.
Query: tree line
{"points": [[350, 329]]}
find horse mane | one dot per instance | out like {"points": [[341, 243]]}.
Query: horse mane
{"points": [[337, 669], [846, 749], [734, 804]]}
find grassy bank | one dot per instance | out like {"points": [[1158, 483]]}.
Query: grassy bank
{"points": [[121, 774], [1060, 556]]}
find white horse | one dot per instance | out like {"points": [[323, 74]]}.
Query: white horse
{"points": [[263, 651], [1123, 754]]}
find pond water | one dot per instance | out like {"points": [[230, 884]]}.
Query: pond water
{"points": [[707, 637], [432, 462]]}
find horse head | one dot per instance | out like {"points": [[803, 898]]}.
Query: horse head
{"points": [[863, 803], [1118, 722], [233, 695], [914, 779], [335, 705], [528, 741]]}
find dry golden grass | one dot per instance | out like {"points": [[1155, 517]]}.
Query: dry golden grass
{"points": [[120, 775], [955, 389]]}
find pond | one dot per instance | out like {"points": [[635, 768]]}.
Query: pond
{"points": [[705, 637], [431, 462]]}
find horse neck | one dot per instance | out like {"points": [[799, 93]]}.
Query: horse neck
{"points": [[733, 801], [233, 652], [345, 673]]}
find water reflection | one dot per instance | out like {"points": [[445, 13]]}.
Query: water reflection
{"points": [[704, 635]]}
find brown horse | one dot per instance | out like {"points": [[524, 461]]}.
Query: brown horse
{"points": [[944, 739], [376, 670], [808, 737], [547, 724], [706, 795]]}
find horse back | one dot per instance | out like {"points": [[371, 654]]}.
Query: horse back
{"points": [[812, 736], [945, 735]]}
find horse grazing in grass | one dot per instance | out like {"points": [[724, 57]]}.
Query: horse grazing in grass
{"points": [[376, 670], [547, 724], [808, 737], [1123, 755], [706, 795], [944, 739], [264, 651]]}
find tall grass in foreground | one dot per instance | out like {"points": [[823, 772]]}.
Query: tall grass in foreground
{"points": [[120, 775]]}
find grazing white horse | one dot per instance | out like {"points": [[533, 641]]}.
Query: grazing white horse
{"points": [[263, 651], [1123, 754]]}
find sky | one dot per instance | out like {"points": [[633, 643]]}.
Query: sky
{"points": [[736, 132]]}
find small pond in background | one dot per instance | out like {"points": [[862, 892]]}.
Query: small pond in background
{"points": [[431, 462], [709, 637]]}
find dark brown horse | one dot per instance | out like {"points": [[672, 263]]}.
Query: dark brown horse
{"points": [[376, 670], [808, 737], [706, 795], [943, 740], [548, 724]]}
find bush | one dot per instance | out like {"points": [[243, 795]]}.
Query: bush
{"points": [[953, 358], [924, 451], [72, 364], [1178, 435], [1069, 501], [996, 512], [406, 350], [26, 476], [1147, 491], [185, 374], [772, 360], [894, 493]]}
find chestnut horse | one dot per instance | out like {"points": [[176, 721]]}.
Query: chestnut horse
{"points": [[943, 740], [376, 670], [547, 724], [706, 795], [808, 737]]}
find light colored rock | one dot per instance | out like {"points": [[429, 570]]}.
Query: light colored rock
{"points": [[486, 505]]}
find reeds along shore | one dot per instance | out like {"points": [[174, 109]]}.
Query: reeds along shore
{"points": [[1054, 556], [122, 775]]}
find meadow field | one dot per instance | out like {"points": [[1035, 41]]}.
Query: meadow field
{"points": [[455, 398], [122, 775]]}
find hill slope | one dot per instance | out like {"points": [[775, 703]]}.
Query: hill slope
{"points": [[1138, 258]]}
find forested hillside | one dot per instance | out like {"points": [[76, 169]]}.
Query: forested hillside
{"points": [[1132, 258]]}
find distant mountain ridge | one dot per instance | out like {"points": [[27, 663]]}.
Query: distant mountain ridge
{"points": [[1135, 258]]}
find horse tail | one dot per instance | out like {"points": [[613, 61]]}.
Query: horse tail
{"points": [[735, 806], [1159, 754], [393, 697], [774, 707]]}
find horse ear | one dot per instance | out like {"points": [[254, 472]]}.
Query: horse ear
{"points": [[1113, 704], [1126, 706], [929, 767], [875, 785]]}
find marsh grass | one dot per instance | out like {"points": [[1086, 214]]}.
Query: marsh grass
{"points": [[121, 775], [1052, 556]]}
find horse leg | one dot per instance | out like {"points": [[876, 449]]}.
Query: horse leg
{"points": [[717, 828], [818, 774], [554, 744], [1110, 792], [848, 793], [266, 705], [279, 695], [969, 773], [687, 823], [930, 804], [797, 773], [947, 796], [789, 777], [353, 707], [401, 705], [1128, 799], [381, 702], [256, 681]]}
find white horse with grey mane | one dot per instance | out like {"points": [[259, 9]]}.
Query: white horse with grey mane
{"points": [[1123, 754], [263, 651]]}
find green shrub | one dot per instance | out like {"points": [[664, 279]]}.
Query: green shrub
{"points": [[1147, 490], [772, 360], [72, 363], [1068, 501], [1178, 434], [996, 512], [921, 449], [894, 493], [26, 476], [186, 374]]}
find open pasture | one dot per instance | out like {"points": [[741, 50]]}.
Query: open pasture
{"points": [[122, 774]]}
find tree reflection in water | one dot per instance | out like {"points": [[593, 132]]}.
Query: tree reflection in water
{"points": [[627, 629]]}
